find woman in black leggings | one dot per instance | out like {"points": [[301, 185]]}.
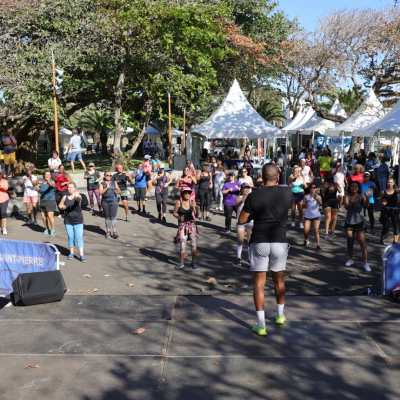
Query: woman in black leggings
{"points": [[109, 190], [388, 199], [162, 180], [204, 180]]}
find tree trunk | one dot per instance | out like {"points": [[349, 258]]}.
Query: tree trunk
{"points": [[103, 140], [242, 148], [26, 153]]}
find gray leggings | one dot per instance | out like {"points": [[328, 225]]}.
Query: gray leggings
{"points": [[110, 212], [3, 209], [161, 199]]}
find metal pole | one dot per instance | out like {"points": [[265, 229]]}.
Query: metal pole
{"points": [[378, 147], [169, 130], [184, 130], [286, 155], [55, 105], [343, 149]]}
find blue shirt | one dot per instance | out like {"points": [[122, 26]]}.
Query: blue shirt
{"points": [[365, 187], [383, 170], [46, 191], [387, 153], [140, 180], [155, 167]]}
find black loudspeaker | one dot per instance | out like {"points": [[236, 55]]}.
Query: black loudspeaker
{"points": [[179, 140]]}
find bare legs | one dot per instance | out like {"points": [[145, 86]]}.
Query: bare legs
{"points": [[259, 284]]}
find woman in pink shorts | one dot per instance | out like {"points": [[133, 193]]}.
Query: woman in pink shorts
{"points": [[29, 182]]}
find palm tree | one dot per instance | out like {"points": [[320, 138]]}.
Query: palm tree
{"points": [[98, 121], [270, 110]]}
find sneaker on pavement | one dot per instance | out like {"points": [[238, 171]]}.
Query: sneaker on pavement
{"points": [[260, 331], [128, 219], [227, 231], [83, 259], [305, 244], [349, 263], [29, 221], [180, 265], [91, 211], [45, 232], [382, 242], [108, 235], [164, 219], [325, 237], [53, 233], [332, 235], [319, 248], [59, 216], [35, 222], [201, 218], [208, 219], [4, 231], [373, 232], [293, 224], [193, 265], [238, 262], [367, 267], [71, 256], [146, 199], [301, 225], [280, 319]]}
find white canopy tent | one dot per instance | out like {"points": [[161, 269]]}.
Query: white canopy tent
{"points": [[235, 118], [294, 121], [295, 127]]}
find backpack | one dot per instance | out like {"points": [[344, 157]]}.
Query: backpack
{"points": [[84, 142], [394, 295]]}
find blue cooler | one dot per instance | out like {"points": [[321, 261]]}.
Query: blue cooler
{"points": [[390, 268]]}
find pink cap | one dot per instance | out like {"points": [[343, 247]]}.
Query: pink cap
{"points": [[186, 189]]}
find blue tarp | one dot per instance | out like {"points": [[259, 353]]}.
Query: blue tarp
{"points": [[19, 256]]}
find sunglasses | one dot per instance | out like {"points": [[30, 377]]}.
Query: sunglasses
{"points": [[187, 169], [313, 187], [107, 174]]}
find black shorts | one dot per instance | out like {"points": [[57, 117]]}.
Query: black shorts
{"points": [[313, 219], [355, 227], [47, 205], [148, 178], [140, 193], [332, 203], [298, 197]]}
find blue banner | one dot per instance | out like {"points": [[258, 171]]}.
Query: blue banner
{"points": [[18, 256]]}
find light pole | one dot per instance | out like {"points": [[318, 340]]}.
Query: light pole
{"points": [[169, 129], [56, 90]]}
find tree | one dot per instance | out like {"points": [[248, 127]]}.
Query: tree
{"points": [[271, 110]]}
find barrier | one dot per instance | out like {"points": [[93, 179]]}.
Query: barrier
{"points": [[19, 256]]}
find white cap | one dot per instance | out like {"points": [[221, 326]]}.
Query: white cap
{"points": [[162, 166]]}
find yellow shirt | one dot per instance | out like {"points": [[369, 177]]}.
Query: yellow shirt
{"points": [[325, 163]]}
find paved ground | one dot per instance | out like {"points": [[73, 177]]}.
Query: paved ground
{"points": [[198, 344]]}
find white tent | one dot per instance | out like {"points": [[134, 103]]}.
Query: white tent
{"points": [[321, 124], [295, 127], [370, 111], [236, 118], [294, 121]]}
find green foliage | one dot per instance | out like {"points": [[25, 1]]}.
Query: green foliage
{"points": [[270, 110], [347, 98]]}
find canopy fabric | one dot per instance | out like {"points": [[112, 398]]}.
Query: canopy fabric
{"points": [[64, 131], [389, 124], [294, 121], [236, 118], [324, 124], [307, 116], [369, 112]]}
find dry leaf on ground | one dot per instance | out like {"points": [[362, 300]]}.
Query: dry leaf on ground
{"points": [[140, 330], [286, 277], [211, 280], [92, 290], [87, 276], [31, 366], [305, 284], [202, 289], [216, 363], [376, 267], [80, 291], [230, 285], [130, 284]]}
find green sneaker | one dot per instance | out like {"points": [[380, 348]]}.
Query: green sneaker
{"points": [[260, 331], [45, 232], [53, 233], [279, 320]]}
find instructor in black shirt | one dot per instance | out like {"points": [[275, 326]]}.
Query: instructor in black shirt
{"points": [[268, 207]]}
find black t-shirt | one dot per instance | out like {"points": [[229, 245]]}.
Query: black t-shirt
{"points": [[91, 181], [269, 208], [121, 180], [73, 212]]}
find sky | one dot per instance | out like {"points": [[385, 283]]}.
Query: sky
{"points": [[308, 11]]}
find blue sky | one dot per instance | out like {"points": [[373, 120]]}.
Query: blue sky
{"points": [[308, 10]]}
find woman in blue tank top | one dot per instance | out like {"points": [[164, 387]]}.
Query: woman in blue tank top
{"points": [[297, 184]]}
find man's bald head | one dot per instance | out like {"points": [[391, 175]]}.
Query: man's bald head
{"points": [[270, 173]]}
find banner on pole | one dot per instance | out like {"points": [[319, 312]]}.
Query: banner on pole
{"points": [[18, 256]]}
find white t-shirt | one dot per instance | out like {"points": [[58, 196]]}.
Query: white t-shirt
{"points": [[339, 177], [54, 161], [305, 172], [219, 176], [248, 180], [312, 210], [76, 143], [29, 189]]}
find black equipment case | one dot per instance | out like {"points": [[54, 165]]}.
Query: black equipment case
{"points": [[38, 287]]}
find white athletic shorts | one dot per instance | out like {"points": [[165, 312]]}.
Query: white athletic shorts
{"points": [[342, 193], [268, 256]]}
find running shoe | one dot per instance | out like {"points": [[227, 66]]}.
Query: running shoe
{"points": [[45, 232], [208, 219], [4, 231], [325, 237], [159, 216], [305, 244], [71, 256], [29, 221], [349, 263], [180, 265], [164, 219], [280, 319], [35, 222], [83, 259], [319, 248], [52, 233], [73, 172], [340, 210], [91, 210], [108, 235], [59, 216], [293, 224], [217, 208], [332, 235], [238, 262], [301, 225], [100, 210], [115, 235], [367, 267], [194, 265], [146, 199], [227, 231], [260, 331], [382, 242], [373, 232], [128, 219], [201, 218]]}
